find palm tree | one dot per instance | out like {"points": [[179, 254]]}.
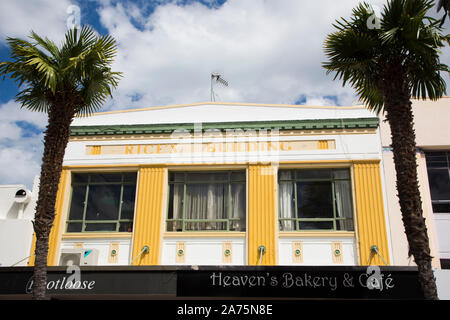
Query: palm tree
{"points": [[64, 82], [388, 63]]}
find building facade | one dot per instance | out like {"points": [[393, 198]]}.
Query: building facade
{"points": [[224, 184], [432, 129], [17, 205]]}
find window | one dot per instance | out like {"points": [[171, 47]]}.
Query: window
{"points": [[315, 200], [206, 201], [438, 164], [102, 202]]}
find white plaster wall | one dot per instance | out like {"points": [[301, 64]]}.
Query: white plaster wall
{"points": [[16, 228], [203, 251], [16, 237], [317, 251], [431, 124], [102, 245], [348, 147], [442, 221], [9, 207], [221, 112], [397, 230], [443, 283]]}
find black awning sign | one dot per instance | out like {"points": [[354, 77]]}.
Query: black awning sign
{"points": [[358, 283], [309, 282]]}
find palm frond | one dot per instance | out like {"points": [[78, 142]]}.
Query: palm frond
{"points": [[358, 55], [80, 68]]}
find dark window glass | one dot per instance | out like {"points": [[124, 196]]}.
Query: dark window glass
{"points": [[238, 176], [176, 176], [314, 200], [130, 177], [316, 225], [77, 203], [439, 184], [441, 207], [80, 178], [100, 227], [126, 226], [74, 227], [128, 197], [106, 177], [102, 202], [314, 174], [204, 176]]}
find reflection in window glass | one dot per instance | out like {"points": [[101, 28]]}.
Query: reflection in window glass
{"points": [[438, 164], [315, 200], [77, 203], [102, 202]]}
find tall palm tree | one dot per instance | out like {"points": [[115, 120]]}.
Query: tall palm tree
{"points": [[388, 63], [72, 80]]}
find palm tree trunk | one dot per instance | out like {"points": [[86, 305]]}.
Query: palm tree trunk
{"points": [[60, 117], [400, 117]]}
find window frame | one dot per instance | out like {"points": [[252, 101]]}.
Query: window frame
{"points": [[229, 181], [84, 221], [331, 179], [429, 155]]}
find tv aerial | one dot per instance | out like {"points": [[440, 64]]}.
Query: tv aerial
{"points": [[219, 80]]}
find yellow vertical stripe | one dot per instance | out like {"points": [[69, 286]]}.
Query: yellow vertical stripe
{"points": [[96, 150], [370, 211], [261, 214], [55, 233], [148, 217], [323, 144]]}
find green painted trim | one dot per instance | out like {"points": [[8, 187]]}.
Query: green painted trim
{"points": [[311, 124]]}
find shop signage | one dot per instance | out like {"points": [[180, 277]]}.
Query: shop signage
{"points": [[231, 281], [210, 147], [303, 282]]}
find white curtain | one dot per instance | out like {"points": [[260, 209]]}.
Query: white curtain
{"points": [[209, 201], [206, 202], [178, 191], [286, 201], [343, 204], [238, 206]]}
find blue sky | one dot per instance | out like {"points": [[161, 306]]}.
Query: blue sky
{"points": [[270, 51]]}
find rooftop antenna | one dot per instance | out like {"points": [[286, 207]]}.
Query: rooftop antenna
{"points": [[220, 80]]}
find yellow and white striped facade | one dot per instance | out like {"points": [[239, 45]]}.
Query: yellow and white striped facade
{"points": [[287, 137]]}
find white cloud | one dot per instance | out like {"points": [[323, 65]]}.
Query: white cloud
{"points": [[20, 149], [45, 17], [269, 51], [21, 138]]}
